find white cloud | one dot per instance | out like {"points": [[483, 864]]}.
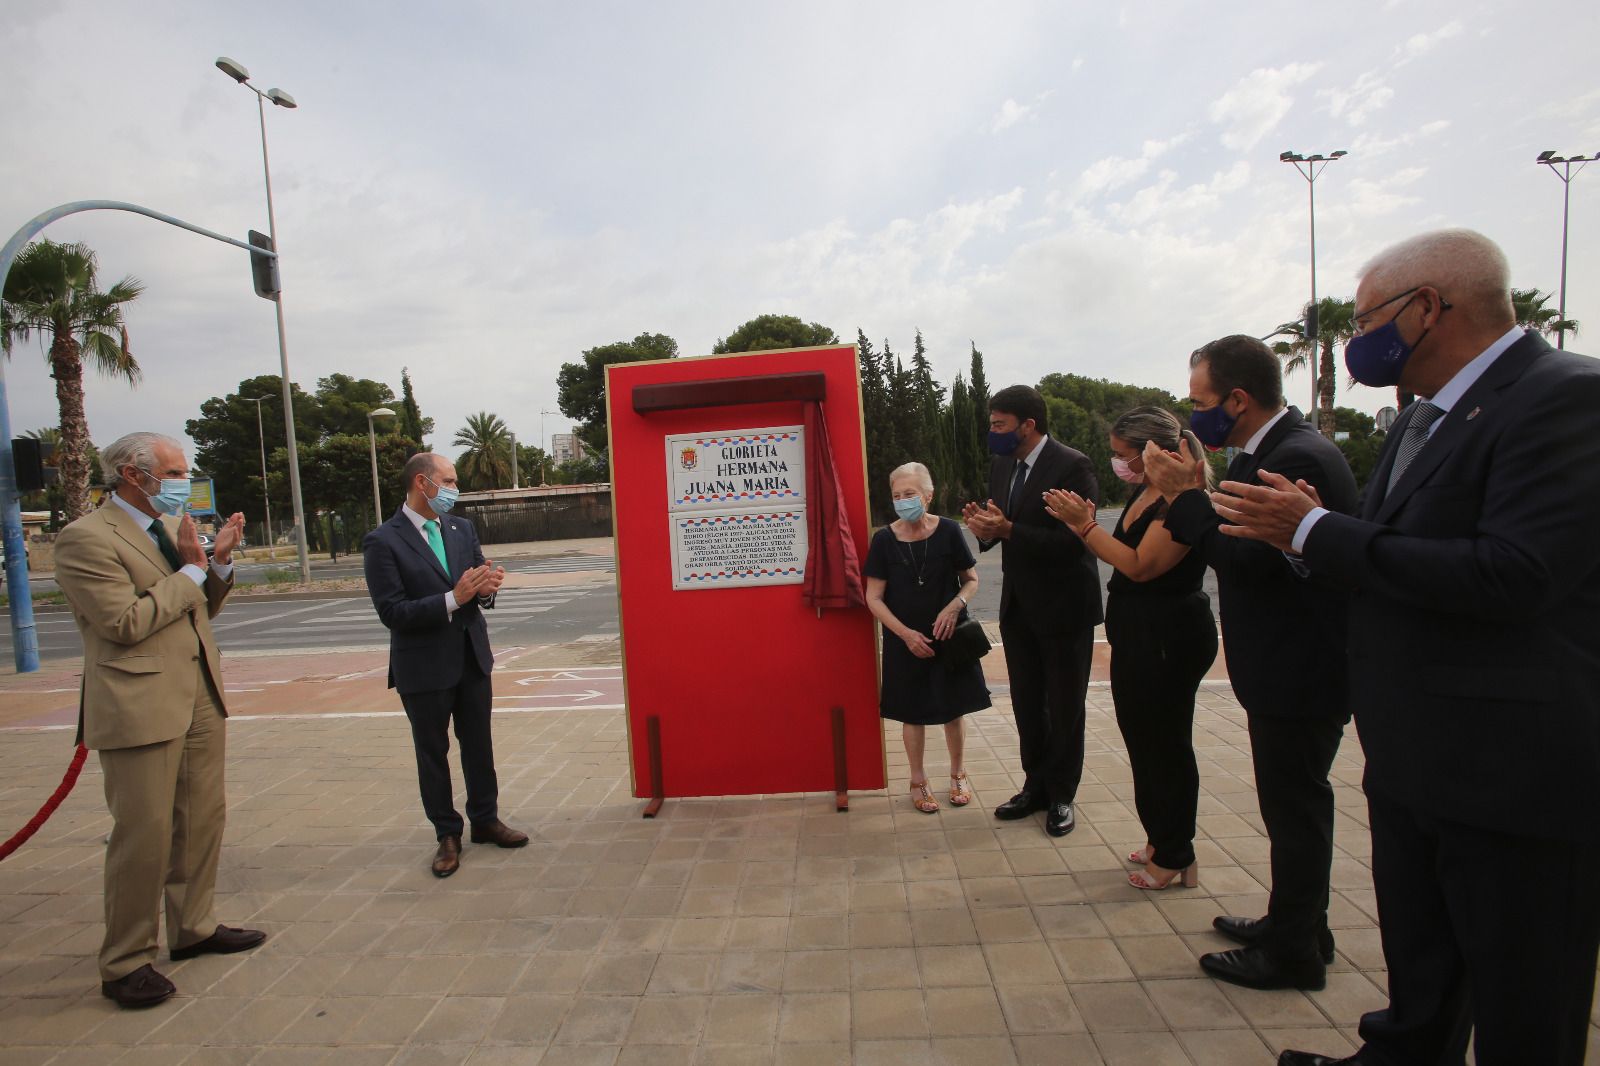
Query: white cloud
{"points": [[1422, 43], [1369, 94], [1257, 103], [1011, 112]]}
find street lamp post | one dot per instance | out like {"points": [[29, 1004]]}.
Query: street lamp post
{"points": [[1309, 171], [281, 99], [544, 442], [1550, 159], [372, 441], [266, 499]]}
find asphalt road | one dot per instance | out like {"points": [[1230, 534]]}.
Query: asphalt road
{"points": [[549, 615]]}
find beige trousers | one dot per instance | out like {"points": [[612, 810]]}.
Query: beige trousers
{"points": [[168, 806]]}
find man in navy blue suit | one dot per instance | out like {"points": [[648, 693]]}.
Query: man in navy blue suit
{"points": [[430, 583], [1474, 660]]}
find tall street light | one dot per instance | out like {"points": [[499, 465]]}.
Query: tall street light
{"points": [[266, 500], [1308, 168], [1550, 159], [281, 99], [372, 440]]}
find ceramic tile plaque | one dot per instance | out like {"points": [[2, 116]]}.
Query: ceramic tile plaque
{"points": [[737, 508]]}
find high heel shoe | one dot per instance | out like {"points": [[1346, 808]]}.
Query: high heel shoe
{"points": [[960, 791], [1188, 877], [1142, 857], [922, 798]]}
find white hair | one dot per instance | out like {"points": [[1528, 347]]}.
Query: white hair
{"points": [[135, 449], [916, 472], [1466, 267]]}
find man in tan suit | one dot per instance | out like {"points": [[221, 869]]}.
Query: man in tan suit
{"points": [[143, 595]]}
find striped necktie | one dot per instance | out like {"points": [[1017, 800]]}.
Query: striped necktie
{"points": [[1416, 436]]}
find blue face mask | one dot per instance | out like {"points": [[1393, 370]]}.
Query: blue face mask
{"points": [[444, 500], [910, 509], [1379, 358], [173, 496], [1005, 443], [1213, 425]]}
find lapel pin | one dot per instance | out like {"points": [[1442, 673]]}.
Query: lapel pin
{"points": [[1473, 413]]}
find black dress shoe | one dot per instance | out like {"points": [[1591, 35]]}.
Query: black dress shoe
{"points": [[448, 858], [1307, 1058], [1254, 968], [225, 941], [143, 987], [498, 832], [1060, 821], [1021, 805], [1249, 931]]}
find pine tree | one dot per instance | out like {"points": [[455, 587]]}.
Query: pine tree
{"points": [[412, 425]]}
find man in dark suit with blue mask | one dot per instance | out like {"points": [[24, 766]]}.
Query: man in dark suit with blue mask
{"points": [[1284, 638], [430, 583], [1474, 660]]}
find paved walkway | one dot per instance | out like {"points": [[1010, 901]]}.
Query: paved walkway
{"points": [[742, 931]]}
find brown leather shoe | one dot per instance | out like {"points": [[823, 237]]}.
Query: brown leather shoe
{"points": [[225, 941], [498, 832], [448, 858], [143, 987]]}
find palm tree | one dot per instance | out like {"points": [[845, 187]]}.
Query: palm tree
{"points": [[1335, 325], [1529, 304], [52, 290], [486, 464]]}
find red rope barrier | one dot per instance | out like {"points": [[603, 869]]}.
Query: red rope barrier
{"points": [[50, 804]]}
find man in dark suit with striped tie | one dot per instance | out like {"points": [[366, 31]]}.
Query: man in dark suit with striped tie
{"points": [[430, 583], [1474, 660]]}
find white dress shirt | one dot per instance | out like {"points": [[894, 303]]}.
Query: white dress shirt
{"points": [[1253, 445], [1444, 399], [195, 573]]}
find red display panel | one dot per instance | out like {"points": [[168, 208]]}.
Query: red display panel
{"points": [[742, 680]]}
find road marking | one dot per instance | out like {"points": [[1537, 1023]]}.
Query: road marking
{"points": [[272, 617]]}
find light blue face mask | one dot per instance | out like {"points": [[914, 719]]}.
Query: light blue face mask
{"points": [[446, 498], [910, 509], [174, 494]]}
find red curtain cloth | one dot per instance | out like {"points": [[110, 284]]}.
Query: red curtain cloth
{"points": [[833, 569]]}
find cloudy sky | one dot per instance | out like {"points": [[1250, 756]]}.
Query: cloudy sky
{"points": [[481, 191]]}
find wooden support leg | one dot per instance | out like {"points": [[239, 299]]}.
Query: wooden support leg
{"points": [[653, 741], [841, 793]]}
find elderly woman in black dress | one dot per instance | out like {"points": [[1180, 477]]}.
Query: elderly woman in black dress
{"points": [[920, 576], [1163, 639]]}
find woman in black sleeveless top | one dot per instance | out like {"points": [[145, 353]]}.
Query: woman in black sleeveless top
{"points": [[1163, 640]]}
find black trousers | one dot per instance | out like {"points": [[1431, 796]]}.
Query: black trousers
{"points": [[1292, 755], [468, 703], [1161, 646], [1049, 676], [1480, 930]]}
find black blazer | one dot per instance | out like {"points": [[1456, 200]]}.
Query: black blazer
{"points": [[1049, 576], [427, 649], [1475, 604], [1283, 633]]}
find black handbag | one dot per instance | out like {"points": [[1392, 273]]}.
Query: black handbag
{"points": [[966, 644]]}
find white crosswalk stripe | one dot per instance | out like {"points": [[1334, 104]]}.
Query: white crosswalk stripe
{"points": [[359, 620]]}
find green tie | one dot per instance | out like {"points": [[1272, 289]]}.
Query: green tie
{"points": [[169, 550], [436, 542]]}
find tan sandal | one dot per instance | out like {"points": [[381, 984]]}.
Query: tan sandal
{"points": [[922, 799], [960, 792]]}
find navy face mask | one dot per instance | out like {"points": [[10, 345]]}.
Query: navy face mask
{"points": [[1213, 424], [1005, 443], [1379, 358]]}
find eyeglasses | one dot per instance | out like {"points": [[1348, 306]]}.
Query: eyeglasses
{"points": [[1358, 320]]}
